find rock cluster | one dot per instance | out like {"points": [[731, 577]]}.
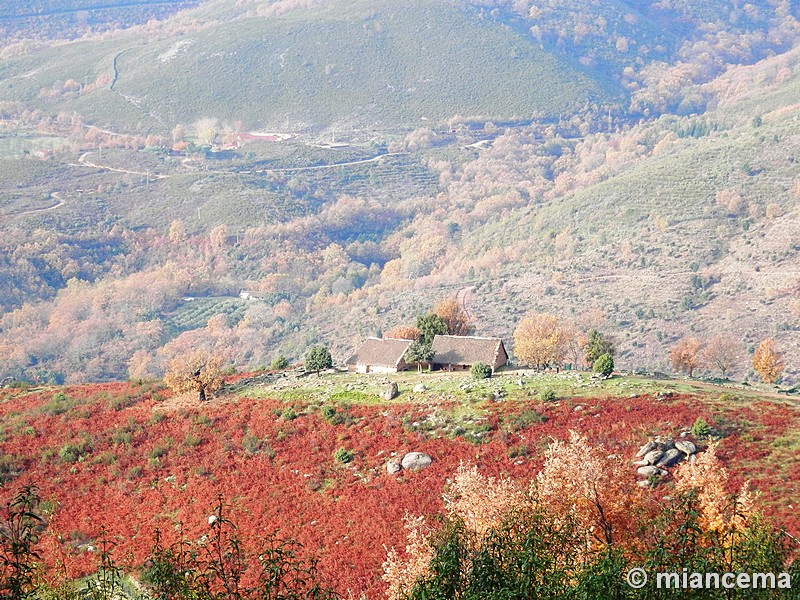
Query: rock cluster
{"points": [[413, 461], [660, 454]]}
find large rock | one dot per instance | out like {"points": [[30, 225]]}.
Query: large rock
{"points": [[686, 447], [420, 387], [391, 392], [653, 457], [670, 459], [650, 471], [645, 449], [415, 461], [393, 466]]}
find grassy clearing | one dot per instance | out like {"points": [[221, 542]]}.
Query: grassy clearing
{"points": [[510, 385]]}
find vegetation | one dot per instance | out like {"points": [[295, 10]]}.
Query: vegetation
{"points": [[604, 364], [767, 361], [318, 358], [198, 372], [481, 371], [503, 539]]}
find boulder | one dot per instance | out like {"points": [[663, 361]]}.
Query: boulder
{"points": [[645, 449], [393, 466], [664, 443], [420, 387], [650, 471], [671, 458], [415, 461], [653, 457], [685, 446], [391, 392]]}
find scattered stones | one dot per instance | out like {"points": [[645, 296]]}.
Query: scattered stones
{"points": [[415, 461], [577, 408], [393, 466], [686, 447], [420, 387], [391, 392]]}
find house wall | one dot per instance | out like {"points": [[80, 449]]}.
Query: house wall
{"points": [[363, 368]]}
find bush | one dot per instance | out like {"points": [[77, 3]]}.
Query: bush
{"points": [[604, 365], [343, 456], [548, 395], [700, 428], [289, 414], [481, 371], [279, 363]]}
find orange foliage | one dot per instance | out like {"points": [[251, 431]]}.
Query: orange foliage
{"points": [[454, 315], [588, 483], [540, 340], [685, 355], [708, 478], [768, 361], [402, 332]]}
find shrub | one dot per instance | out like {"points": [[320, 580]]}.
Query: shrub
{"points": [[481, 371], [279, 363], [343, 456], [548, 395], [58, 405], [604, 365], [700, 428], [289, 414]]}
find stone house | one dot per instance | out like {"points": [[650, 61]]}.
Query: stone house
{"points": [[460, 352], [377, 355]]}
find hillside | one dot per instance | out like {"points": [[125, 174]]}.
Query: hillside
{"points": [[102, 453], [351, 65]]}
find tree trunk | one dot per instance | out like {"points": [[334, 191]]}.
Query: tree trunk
{"points": [[202, 394]]}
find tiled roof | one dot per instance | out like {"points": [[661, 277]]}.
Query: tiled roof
{"points": [[465, 350], [380, 352]]}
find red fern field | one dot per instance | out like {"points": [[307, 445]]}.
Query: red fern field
{"points": [[116, 456]]}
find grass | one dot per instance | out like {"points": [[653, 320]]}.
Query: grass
{"points": [[471, 396]]}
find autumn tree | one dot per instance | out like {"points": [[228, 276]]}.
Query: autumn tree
{"points": [[454, 316], [767, 361], [198, 372], [685, 355], [429, 326], [402, 332], [540, 340], [721, 352]]}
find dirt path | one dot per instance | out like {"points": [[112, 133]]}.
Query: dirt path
{"points": [[85, 163], [315, 167], [61, 202]]}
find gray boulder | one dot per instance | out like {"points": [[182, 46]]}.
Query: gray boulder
{"points": [[393, 466], [650, 471], [420, 387], [391, 392], [686, 447], [670, 459], [653, 457], [415, 461], [645, 449]]}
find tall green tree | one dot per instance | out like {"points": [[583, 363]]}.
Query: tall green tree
{"points": [[419, 353], [429, 326], [318, 358], [596, 346]]}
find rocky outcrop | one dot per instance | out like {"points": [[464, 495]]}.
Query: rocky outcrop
{"points": [[660, 454]]}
